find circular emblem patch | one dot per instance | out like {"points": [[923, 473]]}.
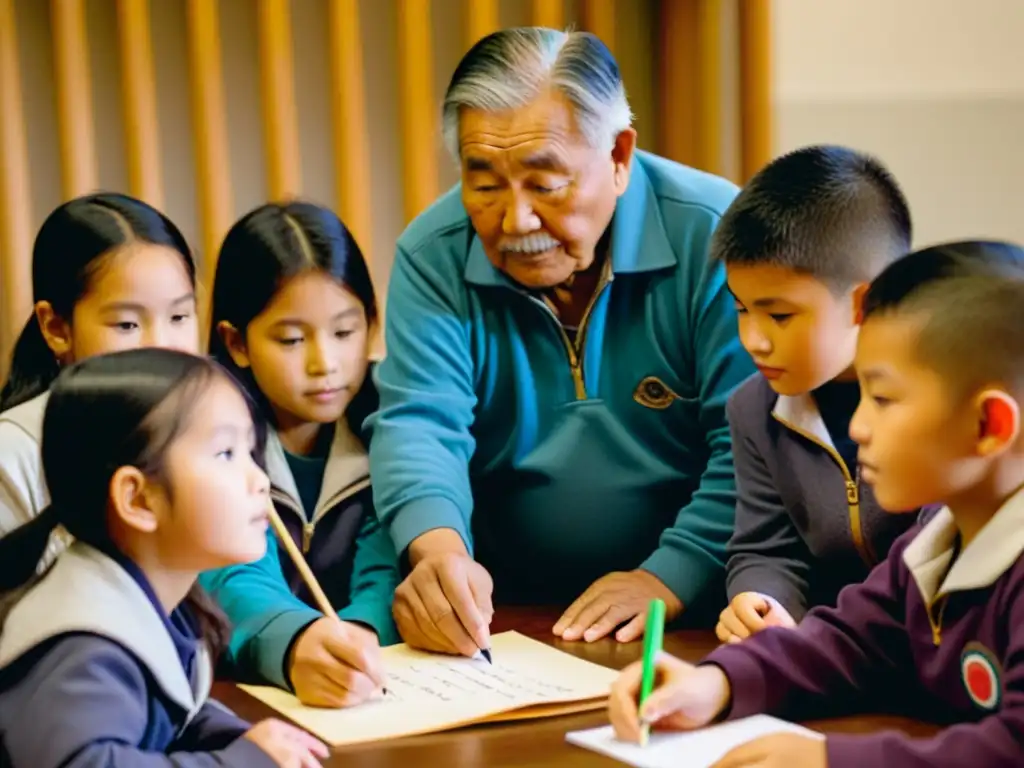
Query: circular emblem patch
{"points": [[981, 675], [652, 392]]}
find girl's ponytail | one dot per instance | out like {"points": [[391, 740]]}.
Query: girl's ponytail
{"points": [[211, 623], [33, 367], [23, 548]]}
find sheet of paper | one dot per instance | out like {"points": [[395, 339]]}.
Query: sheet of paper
{"points": [[428, 692], [695, 749]]}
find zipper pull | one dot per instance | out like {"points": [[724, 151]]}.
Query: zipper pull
{"points": [[936, 622], [307, 536], [852, 493]]}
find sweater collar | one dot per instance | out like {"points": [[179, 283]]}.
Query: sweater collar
{"points": [[998, 545], [88, 591]]}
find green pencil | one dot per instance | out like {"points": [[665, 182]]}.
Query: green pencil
{"points": [[653, 635]]}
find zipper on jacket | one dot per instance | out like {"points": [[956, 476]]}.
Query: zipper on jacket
{"points": [[309, 526], [852, 493], [936, 620], [575, 351]]}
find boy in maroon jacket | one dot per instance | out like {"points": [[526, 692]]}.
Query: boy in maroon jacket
{"points": [[937, 630]]}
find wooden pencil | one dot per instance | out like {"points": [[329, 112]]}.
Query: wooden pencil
{"points": [[300, 563]]}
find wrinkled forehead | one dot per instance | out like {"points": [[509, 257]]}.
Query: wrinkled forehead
{"points": [[545, 126]]}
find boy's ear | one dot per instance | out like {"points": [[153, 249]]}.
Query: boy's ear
{"points": [[235, 343], [859, 292], [55, 329], [1000, 421], [132, 500]]}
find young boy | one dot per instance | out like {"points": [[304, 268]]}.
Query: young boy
{"points": [[937, 630], [799, 244]]}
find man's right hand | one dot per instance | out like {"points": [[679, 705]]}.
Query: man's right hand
{"points": [[444, 604]]}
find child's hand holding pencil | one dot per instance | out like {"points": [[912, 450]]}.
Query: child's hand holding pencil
{"points": [[333, 663], [685, 697]]}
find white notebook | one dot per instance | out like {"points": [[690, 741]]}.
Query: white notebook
{"points": [[694, 749]]}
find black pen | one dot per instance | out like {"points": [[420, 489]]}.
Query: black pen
{"points": [[487, 655]]}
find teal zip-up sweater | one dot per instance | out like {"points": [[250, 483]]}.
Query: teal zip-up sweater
{"points": [[559, 464], [268, 604]]}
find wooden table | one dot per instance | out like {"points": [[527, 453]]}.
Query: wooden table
{"points": [[538, 742]]}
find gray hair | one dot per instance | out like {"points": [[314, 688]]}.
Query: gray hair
{"points": [[509, 68]]}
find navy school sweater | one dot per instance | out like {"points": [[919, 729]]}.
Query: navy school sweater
{"points": [[805, 524], [92, 672], [933, 634]]}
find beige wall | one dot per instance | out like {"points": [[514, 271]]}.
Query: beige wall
{"points": [[934, 87]]}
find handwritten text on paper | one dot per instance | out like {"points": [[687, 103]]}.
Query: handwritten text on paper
{"points": [[460, 678]]}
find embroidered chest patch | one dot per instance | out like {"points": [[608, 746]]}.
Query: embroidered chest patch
{"points": [[652, 392], [981, 675]]}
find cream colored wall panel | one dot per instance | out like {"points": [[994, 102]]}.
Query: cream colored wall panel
{"points": [[960, 162]]}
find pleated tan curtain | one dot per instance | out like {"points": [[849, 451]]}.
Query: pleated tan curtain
{"points": [[206, 108]]}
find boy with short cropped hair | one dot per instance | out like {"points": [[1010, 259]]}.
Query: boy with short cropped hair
{"points": [[937, 630], [799, 245]]}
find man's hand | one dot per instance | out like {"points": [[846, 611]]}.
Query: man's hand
{"points": [[444, 605], [687, 697], [335, 664], [779, 750], [612, 600], [748, 614]]}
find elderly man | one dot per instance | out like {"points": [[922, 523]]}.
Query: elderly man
{"points": [[559, 353]]}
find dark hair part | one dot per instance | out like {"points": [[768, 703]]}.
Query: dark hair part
{"points": [[826, 211], [969, 295], [261, 252], [71, 247], [130, 407]]}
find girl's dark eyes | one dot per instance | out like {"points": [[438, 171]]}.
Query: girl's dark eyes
{"points": [[131, 325], [227, 453], [881, 401], [291, 342], [781, 317]]}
